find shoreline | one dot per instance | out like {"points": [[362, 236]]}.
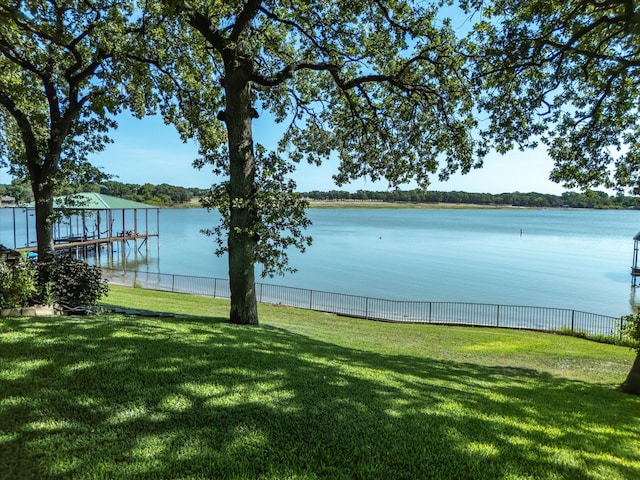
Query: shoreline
{"points": [[377, 204], [374, 204]]}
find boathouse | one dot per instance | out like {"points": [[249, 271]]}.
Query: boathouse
{"points": [[7, 201], [88, 222]]}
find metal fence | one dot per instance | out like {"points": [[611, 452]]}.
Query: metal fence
{"points": [[453, 313]]}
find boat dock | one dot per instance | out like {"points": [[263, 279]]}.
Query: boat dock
{"points": [[91, 224], [88, 243]]}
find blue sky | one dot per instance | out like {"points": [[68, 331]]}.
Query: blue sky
{"points": [[147, 151]]}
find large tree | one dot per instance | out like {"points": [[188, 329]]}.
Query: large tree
{"points": [[383, 86], [61, 83], [567, 74]]}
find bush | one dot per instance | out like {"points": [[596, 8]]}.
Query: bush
{"points": [[623, 340], [631, 329], [17, 285], [71, 283]]}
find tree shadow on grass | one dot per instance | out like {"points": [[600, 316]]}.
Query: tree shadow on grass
{"points": [[128, 397]]}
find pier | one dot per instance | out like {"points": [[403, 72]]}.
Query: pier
{"points": [[89, 243], [86, 224]]}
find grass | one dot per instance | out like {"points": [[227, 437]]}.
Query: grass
{"points": [[305, 395]]}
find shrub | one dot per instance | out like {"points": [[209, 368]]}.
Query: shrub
{"points": [[623, 340], [71, 283], [17, 285], [631, 329]]}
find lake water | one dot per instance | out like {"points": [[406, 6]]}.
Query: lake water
{"points": [[576, 259]]}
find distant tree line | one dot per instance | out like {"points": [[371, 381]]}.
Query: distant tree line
{"points": [[165, 195], [160, 195], [20, 190], [594, 199]]}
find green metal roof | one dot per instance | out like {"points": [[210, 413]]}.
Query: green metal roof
{"points": [[94, 201]]}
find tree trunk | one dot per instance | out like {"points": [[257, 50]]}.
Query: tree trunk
{"points": [[43, 199], [632, 383], [242, 189]]}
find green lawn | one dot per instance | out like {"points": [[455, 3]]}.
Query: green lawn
{"points": [[305, 395]]}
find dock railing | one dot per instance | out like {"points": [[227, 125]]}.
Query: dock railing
{"points": [[453, 313]]}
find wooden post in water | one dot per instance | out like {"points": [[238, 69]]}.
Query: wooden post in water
{"points": [[123, 242], [135, 231], [15, 242], [146, 230], [26, 224]]}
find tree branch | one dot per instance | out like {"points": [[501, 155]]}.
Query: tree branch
{"points": [[7, 50], [74, 43], [251, 8], [300, 29], [204, 25], [24, 125]]}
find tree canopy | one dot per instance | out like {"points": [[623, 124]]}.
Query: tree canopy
{"points": [[61, 83], [568, 74]]}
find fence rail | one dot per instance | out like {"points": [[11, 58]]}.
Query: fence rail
{"points": [[454, 313]]}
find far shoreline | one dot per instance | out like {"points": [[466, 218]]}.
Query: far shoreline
{"points": [[374, 204], [405, 205]]}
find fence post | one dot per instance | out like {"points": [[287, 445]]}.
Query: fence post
{"points": [[310, 299], [260, 293], [573, 314], [429, 312], [215, 287], [366, 308], [621, 327], [498, 316], [173, 283]]}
